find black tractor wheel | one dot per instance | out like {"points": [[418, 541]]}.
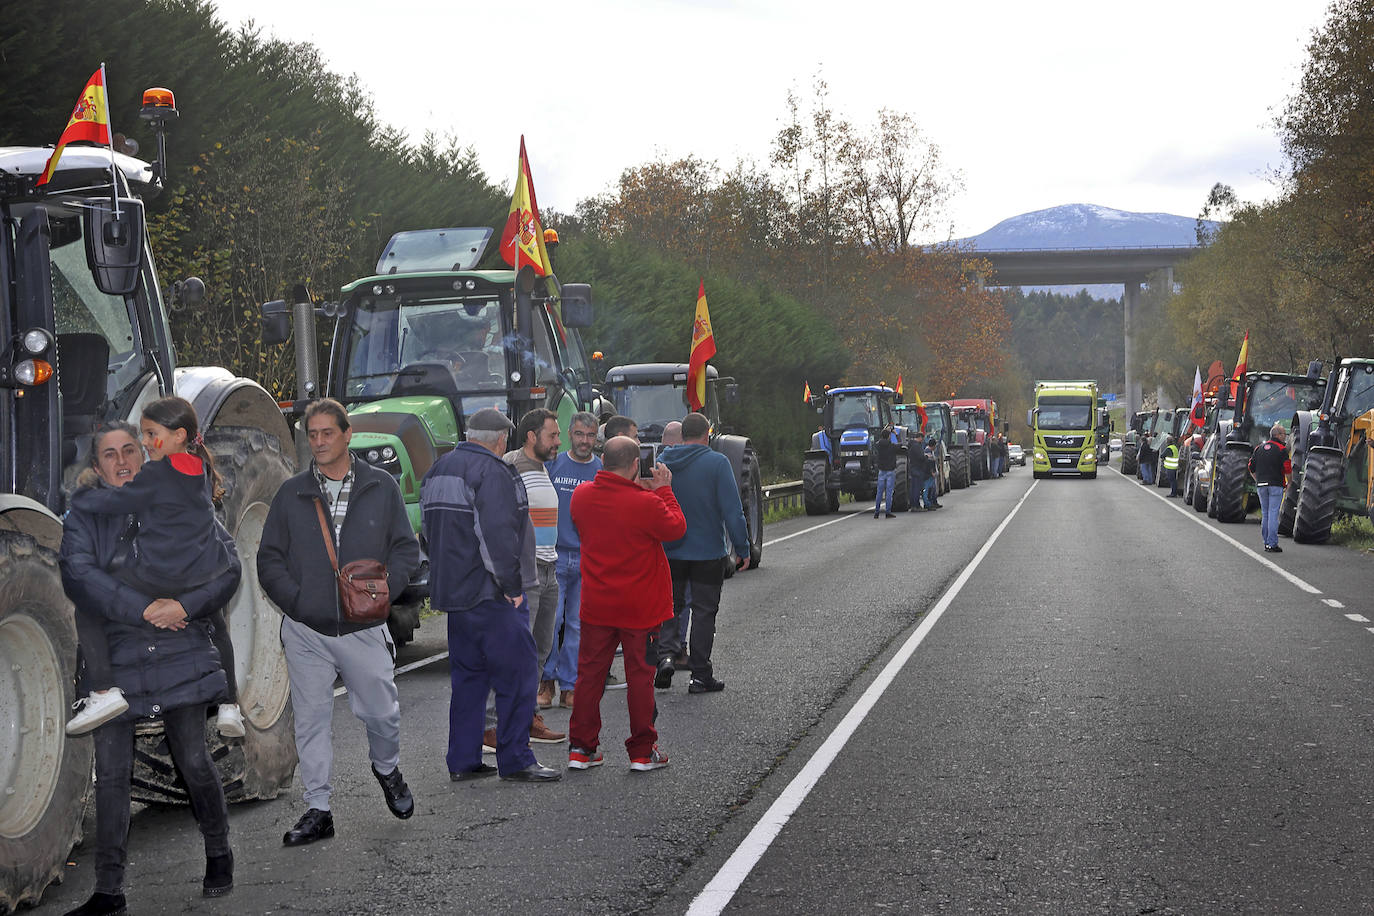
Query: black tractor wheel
{"points": [[1228, 483], [751, 497], [1322, 475], [1130, 451], [1288, 507], [815, 495], [402, 622], [47, 775], [1199, 495], [959, 469], [901, 492], [978, 461], [260, 764]]}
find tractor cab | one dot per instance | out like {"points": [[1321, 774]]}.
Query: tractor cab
{"points": [[655, 394]]}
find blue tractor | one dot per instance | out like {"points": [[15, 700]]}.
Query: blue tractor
{"points": [[842, 458]]}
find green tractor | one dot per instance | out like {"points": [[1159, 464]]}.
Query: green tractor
{"points": [[1263, 399], [655, 394], [1332, 462], [426, 342]]}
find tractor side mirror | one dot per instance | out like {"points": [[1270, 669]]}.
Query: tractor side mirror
{"points": [[732, 393], [576, 305], [276, 322], [114, 244], [1006, 427]]}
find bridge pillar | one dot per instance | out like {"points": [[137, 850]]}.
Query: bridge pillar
{"points": [[1133, 394]]}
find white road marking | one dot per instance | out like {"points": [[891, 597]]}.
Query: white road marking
{"points": [[722, 888], [1358, 618], [1332, 602], [797, 534], [340, 691], [1191, 514]]}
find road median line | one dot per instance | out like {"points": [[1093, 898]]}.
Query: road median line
{"points": [[722, 888]]}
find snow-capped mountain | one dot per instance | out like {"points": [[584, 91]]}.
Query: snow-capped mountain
{"points": [[1088, 226]]}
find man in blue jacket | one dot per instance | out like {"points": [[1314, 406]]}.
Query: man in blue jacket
{"points": [[475, 517], [705, 488]]}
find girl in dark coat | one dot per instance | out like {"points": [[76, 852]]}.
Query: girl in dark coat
{"points": [[163, 660]]}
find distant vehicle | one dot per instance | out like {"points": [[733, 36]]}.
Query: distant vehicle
{"points": [[1115, 445], [1016, 454]]}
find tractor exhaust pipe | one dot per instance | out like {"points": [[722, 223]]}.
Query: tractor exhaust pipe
{"points": [[307, 355]]}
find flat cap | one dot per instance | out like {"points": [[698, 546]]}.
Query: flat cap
{"points": [[490, 419]]}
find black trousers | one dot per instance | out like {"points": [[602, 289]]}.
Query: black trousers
{"points": [[114, 763], [706, 578]]}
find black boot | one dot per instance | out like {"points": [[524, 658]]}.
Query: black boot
{"points": [[219, 875], [101, 905]]}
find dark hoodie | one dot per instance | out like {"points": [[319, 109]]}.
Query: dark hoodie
{"points": [[705, 488]]}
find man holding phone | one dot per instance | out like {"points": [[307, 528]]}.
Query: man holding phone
{"points": [[705, 487]]}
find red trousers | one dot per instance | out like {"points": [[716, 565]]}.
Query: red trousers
{"points": [[594, 657]]}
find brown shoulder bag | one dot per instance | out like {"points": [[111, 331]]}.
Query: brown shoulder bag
{"points": [[364, 596]]}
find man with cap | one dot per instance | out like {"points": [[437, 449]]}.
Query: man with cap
{"points": [[475, 518]]}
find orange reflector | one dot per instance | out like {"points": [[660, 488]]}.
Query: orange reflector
{"points": [[157, 97], [539, 390], [33, 372]]}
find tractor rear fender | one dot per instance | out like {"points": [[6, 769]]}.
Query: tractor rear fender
{"points": [[1304, 423], [960, 438], [732, 447], [27, 516], [241, 402], [816, 453]]}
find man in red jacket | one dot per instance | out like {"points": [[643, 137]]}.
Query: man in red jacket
{"points": [[627, 592]]}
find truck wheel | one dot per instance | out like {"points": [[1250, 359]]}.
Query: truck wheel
{"points": [[1322, 475], [47, 775], [901, 493], [1228, 483], [751, 496], [1288, 507], [403, 621], [958, 469], [1130, 451], [817, 500], [260, 764]]}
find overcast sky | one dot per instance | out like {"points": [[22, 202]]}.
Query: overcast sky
{"points": [[1139, 106]]}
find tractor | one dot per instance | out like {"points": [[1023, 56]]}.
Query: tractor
{"points": [[978, 417], [426, 342], [842, 457], [937, 428], [1130, 442], [1262, 399], [654, 394], [1333, 468], [86, 340], [955, 441]]}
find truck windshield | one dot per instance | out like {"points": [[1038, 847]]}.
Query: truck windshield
{"points": [[652, 407], [855, 409], [429, 335], [81, 308], [1065, 413], [1276, 400]]}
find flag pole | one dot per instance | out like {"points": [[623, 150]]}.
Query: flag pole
{"points": [[109, 136]]}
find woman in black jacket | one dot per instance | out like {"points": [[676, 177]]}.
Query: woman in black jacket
{"points": [[162, 658]]}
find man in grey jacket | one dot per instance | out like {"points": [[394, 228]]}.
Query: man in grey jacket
{"points": [[367, 520]]}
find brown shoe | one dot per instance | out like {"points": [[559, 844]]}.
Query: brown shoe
{"points": [[565, 698], [542, 734], [544, 698], [489, 741]]}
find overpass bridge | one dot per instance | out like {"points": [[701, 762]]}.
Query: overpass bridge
{"points": [[1087, 266]]}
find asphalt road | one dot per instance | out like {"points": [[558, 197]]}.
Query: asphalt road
{"points": [[999, 739]]}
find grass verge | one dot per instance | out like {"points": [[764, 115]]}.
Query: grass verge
{"points": [[1353, 533]]}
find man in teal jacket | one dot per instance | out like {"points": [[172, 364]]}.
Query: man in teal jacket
{"points": [[705, 488]]}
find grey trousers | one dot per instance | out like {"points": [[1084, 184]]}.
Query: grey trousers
{"points": [[543, 602], [365, 661]]}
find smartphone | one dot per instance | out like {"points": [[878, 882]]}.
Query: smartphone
{"points": [[646, 461]]}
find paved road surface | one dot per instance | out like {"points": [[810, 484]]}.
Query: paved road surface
{"points": [[1036, 747]]}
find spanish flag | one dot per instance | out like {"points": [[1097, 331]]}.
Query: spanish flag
{"points": [[899, 385], [806, 394], [90, 121], [1240, 366], [522, 241], [703, 348], [920, 407]]}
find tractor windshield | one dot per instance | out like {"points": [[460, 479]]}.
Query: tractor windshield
{"points": [[1359, 396], [414, 344], [855, 409], [935, 425], [1276, 400], [86, 317], [1065, 413], [653, 407]]}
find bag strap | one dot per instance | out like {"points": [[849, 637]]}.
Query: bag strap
{"points": [[328, 536]]}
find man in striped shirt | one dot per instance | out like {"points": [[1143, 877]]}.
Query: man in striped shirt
{"points": [[539, 440]]}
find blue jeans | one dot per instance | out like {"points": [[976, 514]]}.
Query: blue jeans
{"points": [[929, 492], [562, 663], [887, 480], [1270, 496], [1147, 473]]}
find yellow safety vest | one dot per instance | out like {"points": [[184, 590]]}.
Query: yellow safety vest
{"points": [[1171, 458]]}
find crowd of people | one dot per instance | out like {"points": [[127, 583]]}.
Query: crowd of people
{"points": [[546, 564]]}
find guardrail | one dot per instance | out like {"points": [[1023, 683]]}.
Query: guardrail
{"points": [[782, 495]]}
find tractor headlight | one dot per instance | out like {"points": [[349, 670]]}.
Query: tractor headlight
{"points": [[373, 456], [36, 341], [388, 453]]}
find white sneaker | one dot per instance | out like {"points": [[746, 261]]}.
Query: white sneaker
{"points": [[229, 722], [97, 709]]}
